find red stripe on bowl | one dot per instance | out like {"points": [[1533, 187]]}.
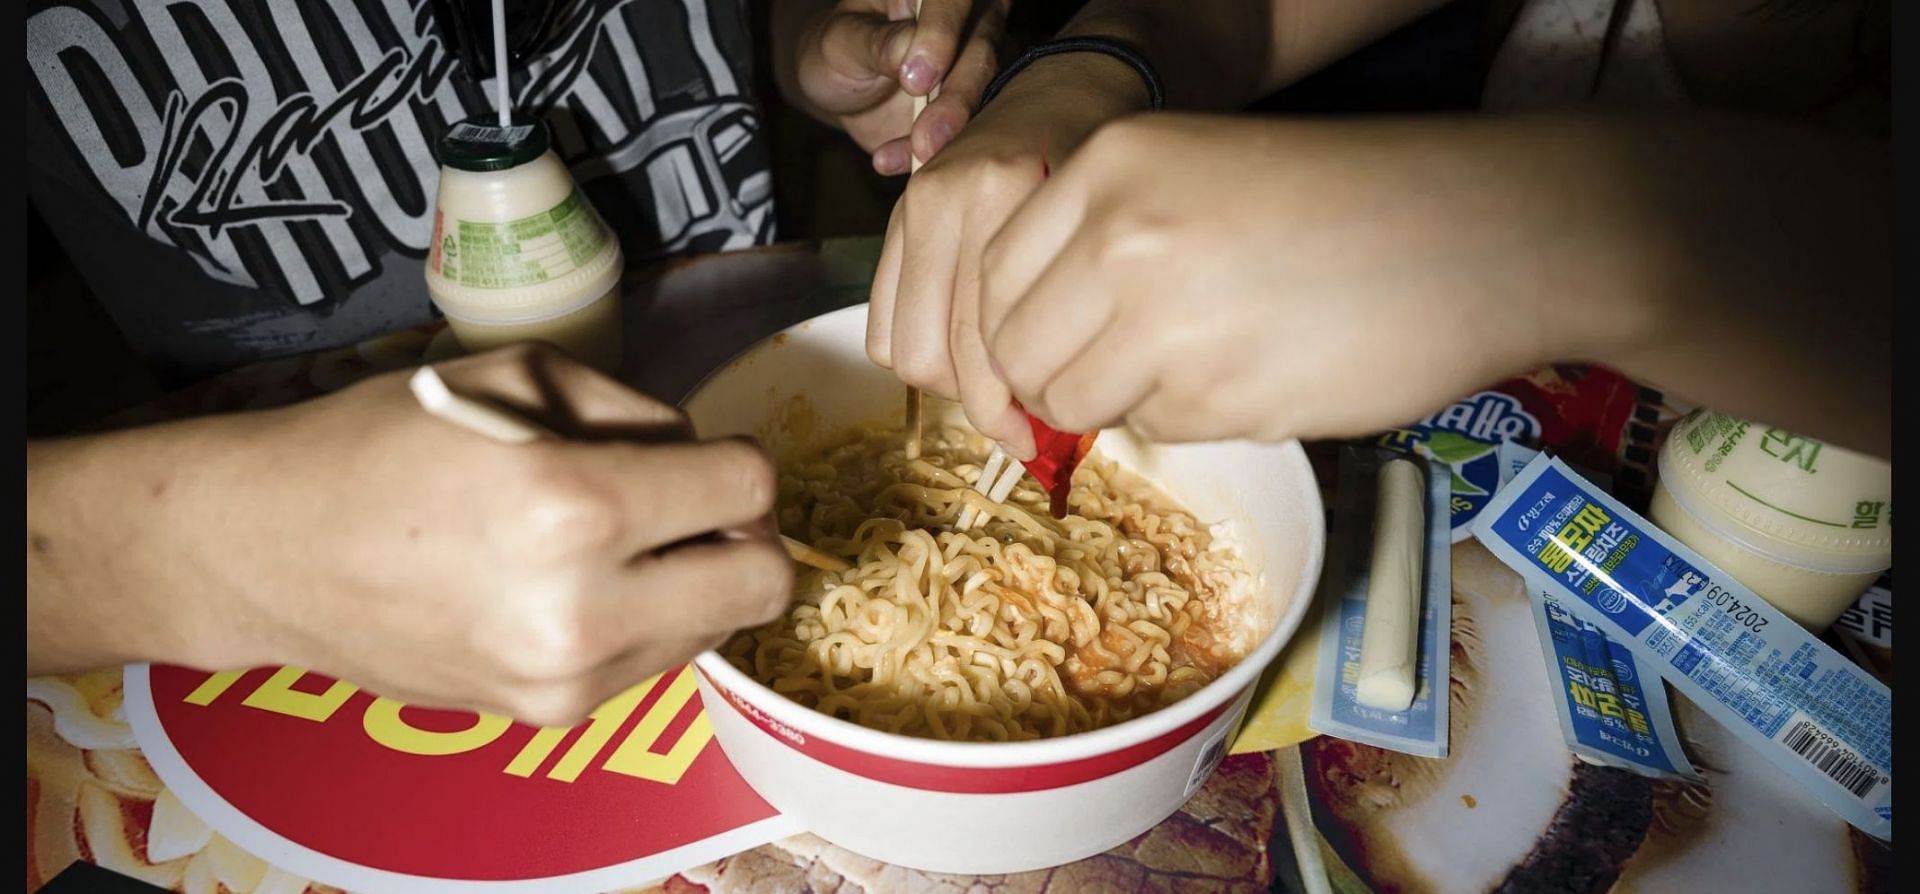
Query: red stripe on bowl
{"points": [[968, 780]]}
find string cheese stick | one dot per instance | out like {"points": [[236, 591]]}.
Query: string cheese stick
{"points": [[1389, 641]]}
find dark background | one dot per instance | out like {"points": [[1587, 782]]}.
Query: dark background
{"points": [[80, 369]]}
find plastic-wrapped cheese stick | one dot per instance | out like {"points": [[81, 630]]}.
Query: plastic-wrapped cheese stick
{"points": [[1418, 727], [1389, 641]]}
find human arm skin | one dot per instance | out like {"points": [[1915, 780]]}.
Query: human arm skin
{"points": [[1210, 56], [1333, 278], [358, 536]]}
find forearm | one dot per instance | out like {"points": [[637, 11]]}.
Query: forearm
{"points": [[107, 580], [1735, 263], [1771, 287]]}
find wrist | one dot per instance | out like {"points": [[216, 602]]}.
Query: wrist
{"points": [[126, 536], [1075, 92], [1603, 257]]}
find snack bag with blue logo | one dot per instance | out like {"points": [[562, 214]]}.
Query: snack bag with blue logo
{"points": [[1590, 415]]}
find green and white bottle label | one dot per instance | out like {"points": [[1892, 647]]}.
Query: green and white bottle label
{"points": [[516, 253]]}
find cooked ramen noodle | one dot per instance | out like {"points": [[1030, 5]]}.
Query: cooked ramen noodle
{"points": [[1024, 627]]}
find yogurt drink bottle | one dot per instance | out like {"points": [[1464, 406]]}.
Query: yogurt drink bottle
{"points": [[518, 252]]}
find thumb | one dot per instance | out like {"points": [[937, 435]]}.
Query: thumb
{"points": [[856, 61]]}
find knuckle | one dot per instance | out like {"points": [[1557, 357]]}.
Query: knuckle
{"points": [[562, 707], [989, 62], [1071, 411], [921, 367], [1007, 175], [1134, 239], [565, 513], [548, 649], [769, 583], [879, 351], [1151, 425], [749, 469], [1113, 141]]}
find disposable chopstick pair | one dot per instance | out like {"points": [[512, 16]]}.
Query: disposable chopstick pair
{"points": [[996, 482], [496, 423]]}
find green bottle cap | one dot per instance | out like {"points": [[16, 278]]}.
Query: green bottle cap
{"points": [[481, 144]]}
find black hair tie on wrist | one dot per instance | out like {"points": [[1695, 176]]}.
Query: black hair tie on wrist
{"points": [[1105, 46]]}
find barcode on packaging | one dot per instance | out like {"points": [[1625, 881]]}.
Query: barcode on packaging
{"points": [[480, 133], [1808, 739], [1209, 759]]}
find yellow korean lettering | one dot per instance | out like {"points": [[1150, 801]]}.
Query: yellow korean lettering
{"points": [[1555, 557], [384, 723], [1574, 538], [1581, 694], [635, 756], [215, 685], [535, 752], [278, 695], [606, 721]]}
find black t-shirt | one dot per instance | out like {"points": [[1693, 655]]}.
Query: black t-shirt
{"points": [[243, 179]]}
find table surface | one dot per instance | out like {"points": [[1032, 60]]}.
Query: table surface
{"points": [[688, 317]]}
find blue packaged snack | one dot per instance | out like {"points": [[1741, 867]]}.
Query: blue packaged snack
{"points": [[1613, 711], [1820, 718]]}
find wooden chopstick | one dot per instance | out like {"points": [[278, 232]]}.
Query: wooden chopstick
{"points": [[914, 424], [499, 424]]}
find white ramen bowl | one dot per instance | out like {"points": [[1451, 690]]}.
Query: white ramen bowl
{"points": [[987, 808]]}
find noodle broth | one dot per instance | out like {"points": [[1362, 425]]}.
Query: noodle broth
{"points": [[1025, 627]]}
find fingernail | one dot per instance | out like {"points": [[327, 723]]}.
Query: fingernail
{"points": [[890, 159], [939, 134], [918, 75]]}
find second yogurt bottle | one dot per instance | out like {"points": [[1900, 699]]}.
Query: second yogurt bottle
{"points": [[518, 253]]}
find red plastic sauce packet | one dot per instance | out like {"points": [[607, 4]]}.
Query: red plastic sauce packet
{"points": [[1056, 455]]}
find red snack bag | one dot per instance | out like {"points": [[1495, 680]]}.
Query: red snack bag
{"points": [[1591, 416]]}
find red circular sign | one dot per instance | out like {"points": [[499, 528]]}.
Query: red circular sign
{"points": [[449, 795]]}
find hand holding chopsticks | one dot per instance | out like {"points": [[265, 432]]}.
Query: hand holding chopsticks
{"points": [[501, 425]]}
